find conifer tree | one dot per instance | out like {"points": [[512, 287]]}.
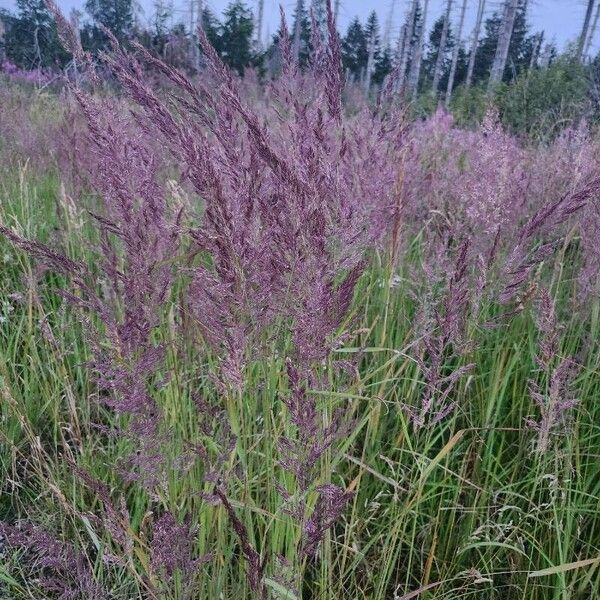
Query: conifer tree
{"points": [[115, 15], [373, 47], [30, 39], [504, 39], [435, 57], [212, 28], [301, 34], [354, 50], [442, 48], [236, 38], [520, 46], [383, 66]]}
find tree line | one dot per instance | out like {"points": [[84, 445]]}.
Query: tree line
{"points": [[429, 64]]}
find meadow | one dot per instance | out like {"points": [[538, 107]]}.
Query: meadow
{"points": [[273, 341]]}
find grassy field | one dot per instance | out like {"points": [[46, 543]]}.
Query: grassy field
{"points": [[270, 339], [464, 509]]}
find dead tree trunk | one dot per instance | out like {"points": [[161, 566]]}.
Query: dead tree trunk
{"points": [[437, 72], [400, 59], [297, 30], [455, 53], [387, 33], [586, 28], [545, 56], [539, 38], [475, 42], [417, 59], [590, 39], [506, 29], [195, 24], [408, 37], [370, 61], [402, 55], [259, 23]]}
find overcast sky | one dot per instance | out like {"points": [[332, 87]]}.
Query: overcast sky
{"points": [[560, 19]]}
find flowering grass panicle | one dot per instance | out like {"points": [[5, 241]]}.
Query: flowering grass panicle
{"points": [[552, 392], [67, 573], [273, 420]]}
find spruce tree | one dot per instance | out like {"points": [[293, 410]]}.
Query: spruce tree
{"points": [[521, 44], [487, 48], [115, 15], [383, 66], [519, 49], [354, 50], [504, 40], [433, 51], [236, 38], [373, 47], [31, 40], [301, 33], [212, 28]]}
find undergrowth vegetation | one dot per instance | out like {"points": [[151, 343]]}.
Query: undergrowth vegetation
{"points": [[254, 346]]}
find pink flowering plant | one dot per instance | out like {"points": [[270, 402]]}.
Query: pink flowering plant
{"points": [[287, 350]]}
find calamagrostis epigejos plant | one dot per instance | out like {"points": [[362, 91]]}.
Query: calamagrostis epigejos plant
{"points": [[443, 342], [290, 208], [538, 238], [551, 391], [66, 572], [121, 302], [294, 194], [292, 199]]}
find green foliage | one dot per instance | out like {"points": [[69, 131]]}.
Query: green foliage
{"points": [[466, 508], [423, 106], [354, 49], [235, 41], [521, 47], [31, 40], [542, 102], [115, 15], [536, 101], [539, 103], [301, 24], [469, 105], [382, 57], [433, 49], [212, 28], [383, 66]]}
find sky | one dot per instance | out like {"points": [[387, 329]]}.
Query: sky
{"points": [[560, 19]]}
